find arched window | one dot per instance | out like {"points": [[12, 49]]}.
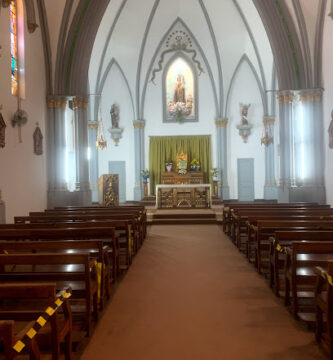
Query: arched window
{"points": [[180, 91], [17, 48]]}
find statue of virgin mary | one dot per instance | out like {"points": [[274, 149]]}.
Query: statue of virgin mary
{"points": [[179, 93]]}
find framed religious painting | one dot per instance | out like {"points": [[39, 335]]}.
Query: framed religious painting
{"points": [[180, 90]]}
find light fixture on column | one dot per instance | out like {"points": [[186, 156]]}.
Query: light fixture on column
{"points": [[100, 141], [267, 136]]}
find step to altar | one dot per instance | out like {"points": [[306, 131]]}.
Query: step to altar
{"points": [[151, 201]]}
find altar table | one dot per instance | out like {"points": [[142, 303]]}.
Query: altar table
{"points": [[183, 196]]}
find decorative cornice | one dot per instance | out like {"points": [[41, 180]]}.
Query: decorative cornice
{"points": [[139, 124], [307, 96], [92, 125], [269, 121], [285, 97], [221, 122], [56, 103], [80, 103]]}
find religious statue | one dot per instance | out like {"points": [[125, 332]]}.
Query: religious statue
{"points": [[179, 93], [330, 132], [115, 116], [244, 128], [245, 110], [38, 141]]}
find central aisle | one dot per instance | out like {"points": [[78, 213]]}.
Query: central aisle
{"points": [[191, 295]]}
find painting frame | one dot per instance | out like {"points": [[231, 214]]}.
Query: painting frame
{"points": [[167, 118]]}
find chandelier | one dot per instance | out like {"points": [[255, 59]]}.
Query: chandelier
{"points": [[100, 141]]}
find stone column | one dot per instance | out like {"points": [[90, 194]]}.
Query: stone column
{"points": [[286, 99], [83, 192], [57, 188], [139, 155], [222, 157], [270, 189], [93, 163]]}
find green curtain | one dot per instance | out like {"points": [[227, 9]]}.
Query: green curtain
{"points": [[164, 149]]}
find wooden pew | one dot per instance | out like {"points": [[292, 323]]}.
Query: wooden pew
{"points": [[95, 248], [324, 307], [228, 210], [21, 303], [76, 269], [300, 277], [122, 227], [278, 244], [241, 217], [266, 228]]}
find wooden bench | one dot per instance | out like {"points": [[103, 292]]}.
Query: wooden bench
{"points": [[21, 305], [324, 307], [78, 270], [94, 248], [266, 228], [278, 244], [122, 227], [300, 276]]}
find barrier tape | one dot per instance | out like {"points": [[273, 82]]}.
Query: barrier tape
{"points": [[41, 321], [129, 241], [327, 277], [98, 266], [281, 249]]}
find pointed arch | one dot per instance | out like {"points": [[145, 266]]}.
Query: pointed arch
{"points": [[195, 41], [113, 62], [245, 60]]}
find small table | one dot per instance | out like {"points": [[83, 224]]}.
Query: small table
{"points": [[183, 196]]}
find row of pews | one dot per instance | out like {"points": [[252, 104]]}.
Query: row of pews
{"points": [[291, 244], [58, 270]]}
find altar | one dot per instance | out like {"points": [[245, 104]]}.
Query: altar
{"points": [[197, 196]]}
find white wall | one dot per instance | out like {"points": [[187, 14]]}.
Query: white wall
{"points": [[115, 91], [328, 105], [245, 90], [23, 178]]}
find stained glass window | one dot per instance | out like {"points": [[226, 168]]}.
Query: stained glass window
{"points": [[14, 48]]}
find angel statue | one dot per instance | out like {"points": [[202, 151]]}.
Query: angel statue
{"points": [[115, 116]]}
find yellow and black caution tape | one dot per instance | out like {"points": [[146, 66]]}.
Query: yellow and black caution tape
{"points": [[327, 277], [98, 266], [42, 320], [129, 240], [281, 249]]}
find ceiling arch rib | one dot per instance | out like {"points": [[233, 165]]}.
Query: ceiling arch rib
{"points": [[218, 58], [178, 23], [142, 49], [245, 60]]}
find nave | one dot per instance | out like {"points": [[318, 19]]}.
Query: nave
{"points": [[190, 294]]}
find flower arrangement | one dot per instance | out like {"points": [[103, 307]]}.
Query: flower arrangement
{"points": [[195, 165], [145, 175], [180, 110], [214, 172]]}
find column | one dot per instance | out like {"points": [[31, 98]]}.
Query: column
{"points": [[222, 157], [57, 188], [285, 99], [93, 162], [270, 189], [83, 192], [139, 153]]}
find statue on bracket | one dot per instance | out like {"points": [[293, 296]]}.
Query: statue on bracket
{"points": [[330, 132], [38, 140], [245, 127], [115, 131], [2, 132]]}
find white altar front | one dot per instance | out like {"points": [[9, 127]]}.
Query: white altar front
{"points": [[183, 196]]}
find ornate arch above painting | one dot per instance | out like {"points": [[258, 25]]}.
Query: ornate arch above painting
{"points": [[190, 87], [178, 22]]}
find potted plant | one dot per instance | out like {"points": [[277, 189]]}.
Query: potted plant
{"points": [[195, 165], [214, 173], [168, 166], [145, 175]]}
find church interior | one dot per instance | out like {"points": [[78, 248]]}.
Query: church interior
{"points": [[166, 179]]}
